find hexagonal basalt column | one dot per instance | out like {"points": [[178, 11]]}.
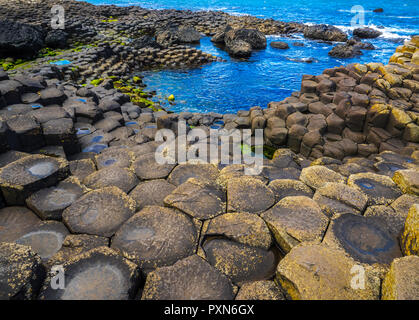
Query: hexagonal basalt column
{"points": [[156, 236], [21, 178], [99, 274], [22, 273], [24, 133], [189, 279], [379, 189], [365, 239], [100, 212]]}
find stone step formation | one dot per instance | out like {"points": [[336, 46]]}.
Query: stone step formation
{"points": [[80, 187]]}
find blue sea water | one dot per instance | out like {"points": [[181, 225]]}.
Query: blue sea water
{"points": [[271, 75]]}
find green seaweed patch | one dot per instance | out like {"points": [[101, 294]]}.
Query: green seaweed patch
{"points": [[15, 64], [48, 52], [268, 151], [96, 82]]}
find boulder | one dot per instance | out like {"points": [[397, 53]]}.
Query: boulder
{"points": [[239, 49], [325, 32], [345, 51], [56, 39], [366, 33], [255, 38], [279, 45], [18, 39]]}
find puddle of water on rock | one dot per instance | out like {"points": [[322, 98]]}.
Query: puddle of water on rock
{"points": [[131, 123], [99, 282], [90, 216], [139, 234], [61, 62], [42, 169], [96, 139], [96, 148], [61, 198], [109, 162], [81, 131], [45, 243]]}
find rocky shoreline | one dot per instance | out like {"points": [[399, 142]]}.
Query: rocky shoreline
{"points": [[80, 186]]}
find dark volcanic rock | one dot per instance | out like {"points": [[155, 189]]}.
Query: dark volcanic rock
{"points": [[189, 279], [279, 45], [56, 39], [21, 273], [19, 39], [345, 51], [255, 38], [156, 237], [365, 239], [239, 49], [366, 33], [325, 32], [99, 274]]}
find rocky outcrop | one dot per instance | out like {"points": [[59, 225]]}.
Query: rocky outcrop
{"points": [[240, 42], [325, 32], [366, 33], [20, 39]]}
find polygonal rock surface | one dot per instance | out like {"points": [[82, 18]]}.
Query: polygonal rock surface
{"points": [[156, 236], [21, 273], [185, 171], [16, 221], [99, 274], [199, 199], [45, 239], [21, 178], [366, 240], [242, 227], [82, 168], [295, 219], [188, 279], [247, 194], [119, 157], [121, 178], [394, 220], [407, 181], [100, 212], [147, 168], [379, 189], [317, 176], [334, 198], [240, 262], [75, 244], [289, 188], [234, 171], [151, 193], [402, 281], [50, 203], [316, 272], [410, 236], [259, 290]]}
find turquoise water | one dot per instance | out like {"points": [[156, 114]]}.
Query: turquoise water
{"points": [[270, 75]]}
